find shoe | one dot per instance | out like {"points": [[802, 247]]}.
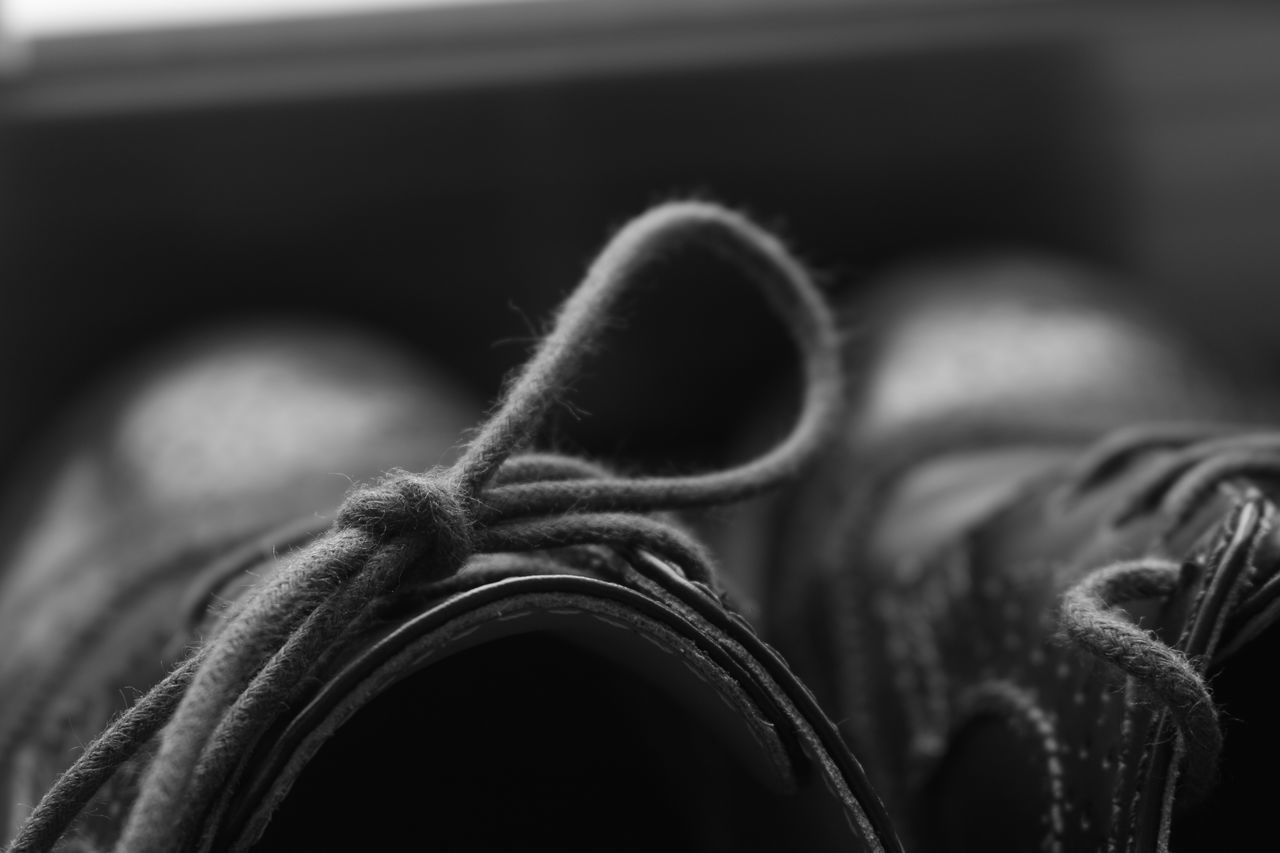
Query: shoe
{"points": [[184, 470], [514, 650], [1034, 582]]}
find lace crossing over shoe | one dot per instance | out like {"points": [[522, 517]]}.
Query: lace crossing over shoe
{"points": [[512, 651], [1038, 594]]}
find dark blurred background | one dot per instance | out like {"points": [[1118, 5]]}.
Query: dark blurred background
{"points": [[443, 175]]}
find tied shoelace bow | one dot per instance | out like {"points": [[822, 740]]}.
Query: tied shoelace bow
{"points": [[226, 694], [1200, 457]]}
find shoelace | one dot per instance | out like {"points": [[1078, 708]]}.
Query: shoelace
{"points": [[1199, 458], [425, 526], [1090, 618]]}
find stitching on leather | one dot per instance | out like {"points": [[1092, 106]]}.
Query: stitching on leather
{"points": [[904, 676], [1154, 733], [1018, 705], [1122, 766], [918, 671]]}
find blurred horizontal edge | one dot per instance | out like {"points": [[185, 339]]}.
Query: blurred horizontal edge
{"points": [[525, 42]]}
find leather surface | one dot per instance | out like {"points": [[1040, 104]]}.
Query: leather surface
{"points": [[974, 643], [734, 688], [923, 566]]}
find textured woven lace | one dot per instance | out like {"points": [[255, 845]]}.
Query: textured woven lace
{"points": [[1197, 460], [425, 526]]}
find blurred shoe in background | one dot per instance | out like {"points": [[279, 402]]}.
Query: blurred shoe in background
{"points": [[118, 532], [1033, 581]]}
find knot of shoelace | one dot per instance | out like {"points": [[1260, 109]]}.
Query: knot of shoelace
{"points": [[427, 507], [226, 695]]}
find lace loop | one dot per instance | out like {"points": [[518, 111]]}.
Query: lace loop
{"points": [[1090, 619], [490, 501], [624, 263]]}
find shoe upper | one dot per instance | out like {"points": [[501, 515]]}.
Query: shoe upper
{"points": [[1030, 563]]}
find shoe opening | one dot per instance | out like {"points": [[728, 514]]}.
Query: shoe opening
{"points": [[536, 742]]}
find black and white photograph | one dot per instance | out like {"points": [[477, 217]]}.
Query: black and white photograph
{"points": [[696, 426]]}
